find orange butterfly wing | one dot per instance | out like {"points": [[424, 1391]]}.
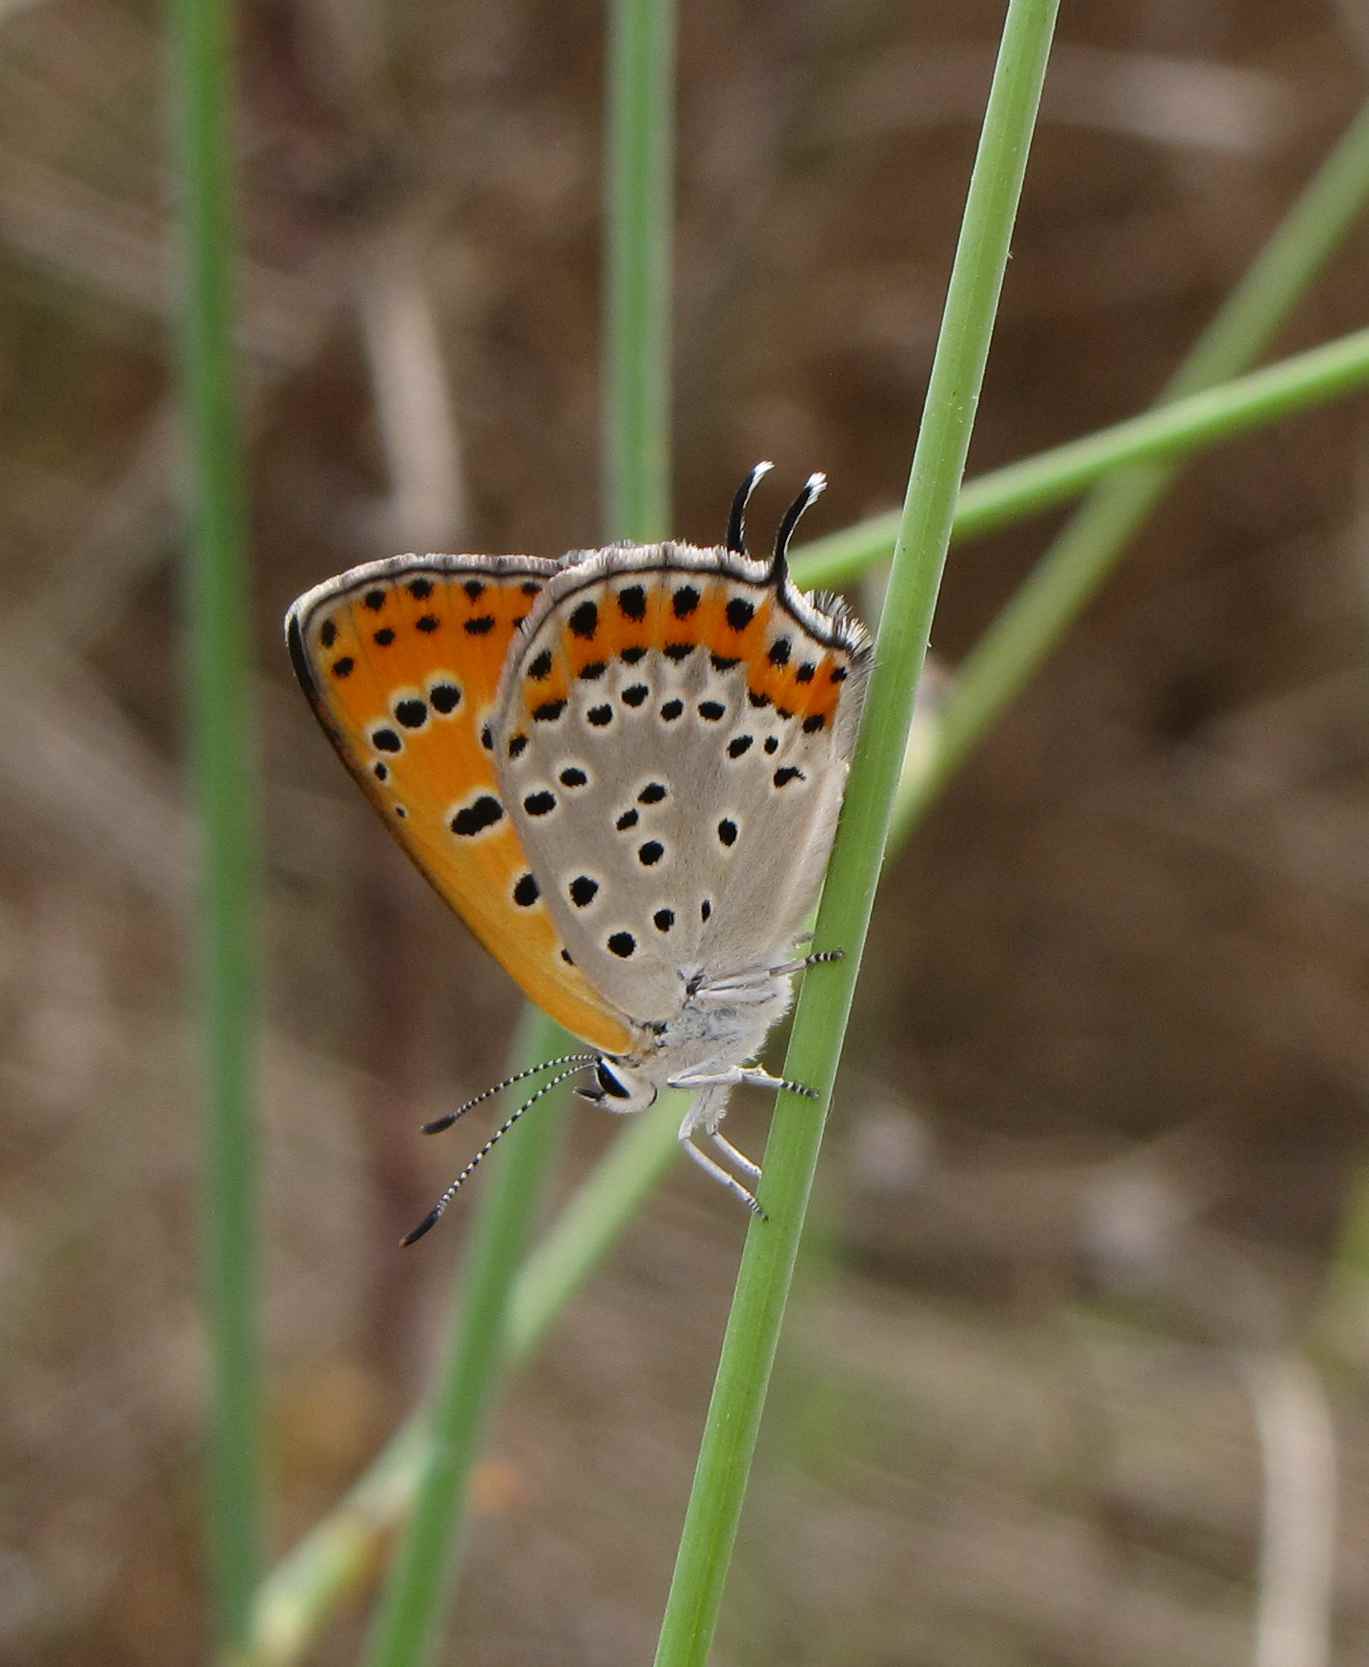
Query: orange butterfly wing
{"points": [[401, 661]]}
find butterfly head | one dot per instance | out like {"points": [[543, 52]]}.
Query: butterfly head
{"points": [[618, 1087]]}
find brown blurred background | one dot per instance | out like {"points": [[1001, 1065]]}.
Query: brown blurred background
{"points": [[1078, 1286]]}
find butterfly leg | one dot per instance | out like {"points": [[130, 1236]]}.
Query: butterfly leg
{"points": [[737, 1076], [823, 958], [705, 1115], [756, 983], [751, 1170], [720, 1175]]}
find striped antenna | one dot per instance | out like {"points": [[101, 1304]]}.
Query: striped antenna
{"points": [[439, 1123], [435, 1214]]}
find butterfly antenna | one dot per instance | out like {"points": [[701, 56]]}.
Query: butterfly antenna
{"points": [[813, 488], [736, 522], [439, 1123], [435, 1214]]}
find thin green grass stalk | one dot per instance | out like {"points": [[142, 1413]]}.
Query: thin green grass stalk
{"points": [[638, 470], [337, 1556], [1178, 430], [418, 1595], [220, 743], [1067, 577], [763, 1283], [640, 199]]}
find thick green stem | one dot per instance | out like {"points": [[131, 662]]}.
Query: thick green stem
{"points": [[753, 1330]]}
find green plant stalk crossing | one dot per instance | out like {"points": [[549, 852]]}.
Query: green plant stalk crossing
{"points": [[418, 1594], [340, 1553], [1177, 430], [1072, 571], [753, 1330]]}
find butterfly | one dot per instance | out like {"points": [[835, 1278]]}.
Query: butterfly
{"points": [[623, 770]]}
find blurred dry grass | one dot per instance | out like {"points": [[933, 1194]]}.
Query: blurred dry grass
{"points": [[1090, 1159]]}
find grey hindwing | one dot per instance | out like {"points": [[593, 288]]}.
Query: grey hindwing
{"points": [[677, 824]]}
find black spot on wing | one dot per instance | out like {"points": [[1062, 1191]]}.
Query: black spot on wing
{"points": [[475, 817]]}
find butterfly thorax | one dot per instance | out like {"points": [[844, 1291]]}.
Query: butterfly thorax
{"points": [[722, 1022]]}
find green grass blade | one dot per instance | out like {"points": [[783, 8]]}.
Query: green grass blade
{"points": [[1066, 578], [791, 1156], [418, 1594], [640, 200], [637, 352], [1176, 430], [337, 1557], [220, 742]]}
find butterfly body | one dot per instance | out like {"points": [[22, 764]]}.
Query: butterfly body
{"points": [[623, 769]]}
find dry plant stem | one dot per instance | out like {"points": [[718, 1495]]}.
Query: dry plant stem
{"points": [[753, 1330], [1298, 1545], [226, 792]]}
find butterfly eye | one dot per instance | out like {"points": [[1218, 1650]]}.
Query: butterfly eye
{"points": [[611, 1083]]}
